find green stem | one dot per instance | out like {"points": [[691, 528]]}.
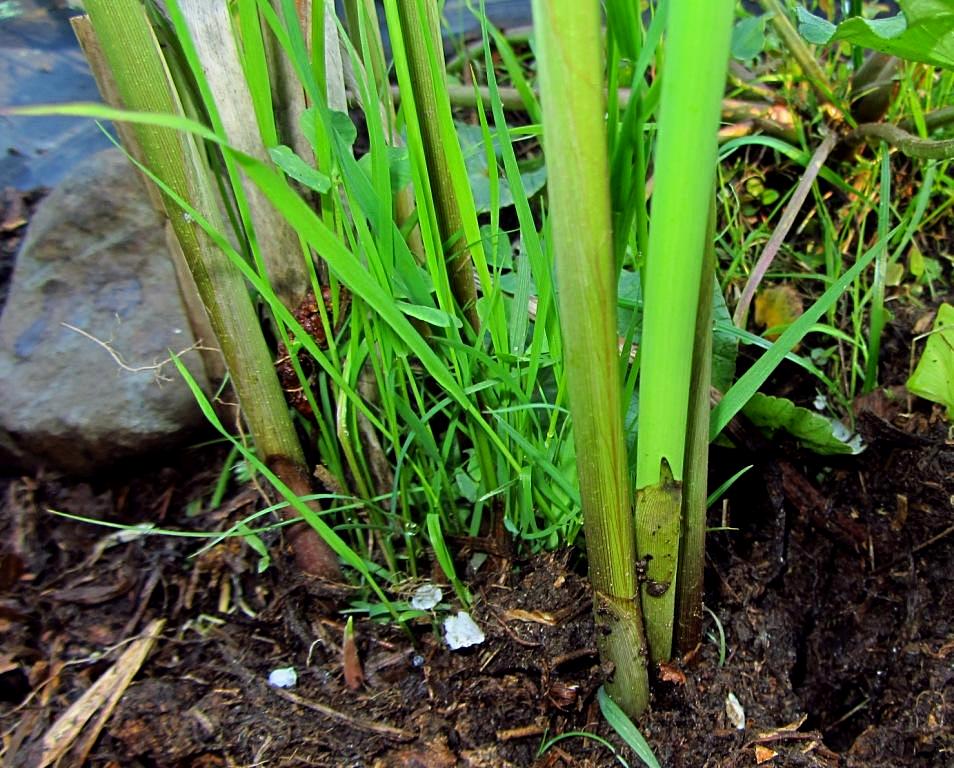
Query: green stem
{"points": [[695, 491], [910, 145], [693, 79], [133, 55], [421, 30], [571, 89], [878, 313]]}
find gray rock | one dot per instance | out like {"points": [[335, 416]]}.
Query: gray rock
{"points": [[94, 257]]}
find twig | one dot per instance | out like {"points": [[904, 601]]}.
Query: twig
{"points": [[934, 539], [907, 143], [382, 729], [785, 224]]}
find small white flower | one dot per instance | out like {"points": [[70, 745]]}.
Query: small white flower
{"points": [[460, 631], [283, 677], [821, 402], [426, 597]]}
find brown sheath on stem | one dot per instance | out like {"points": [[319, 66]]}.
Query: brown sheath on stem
{"points": [[312, 554]]}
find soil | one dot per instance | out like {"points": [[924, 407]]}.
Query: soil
{"points": [[16, 209], [834, 587]]}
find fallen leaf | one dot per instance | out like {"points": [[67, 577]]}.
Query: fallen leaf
{"points": [[776, 306], [531, 617], [763, 754]]}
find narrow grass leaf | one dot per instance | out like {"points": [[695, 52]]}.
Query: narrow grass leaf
{"points": [[740, 393], [627, 731]]}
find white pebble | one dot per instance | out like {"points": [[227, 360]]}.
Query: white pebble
{"points": [[283, 677], [460, 631], [734, 711]]}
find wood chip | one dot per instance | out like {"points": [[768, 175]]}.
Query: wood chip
{"points": [[531, 617], [763, 754], [102, 697], [670, 673]]}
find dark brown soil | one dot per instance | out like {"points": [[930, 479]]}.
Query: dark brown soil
{"points": [[16, 208], [835, 592]]}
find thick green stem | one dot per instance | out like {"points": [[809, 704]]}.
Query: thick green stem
{"points": [[571, 89], [695, 489], [376, 68], [693, 79], [910, 145], [133, 55]]}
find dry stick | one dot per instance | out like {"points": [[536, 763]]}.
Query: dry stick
{"points": [[907, 143], [785, 224], [210, 26], [356, 723], [773, 119]]}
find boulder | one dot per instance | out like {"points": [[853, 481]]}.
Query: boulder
{"points": [[93, 307]]}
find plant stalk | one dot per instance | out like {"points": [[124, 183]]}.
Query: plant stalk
{"points": [[693, 80], [133, 55], [421, 32], [210, 26], [692, 548], [571, 89]]}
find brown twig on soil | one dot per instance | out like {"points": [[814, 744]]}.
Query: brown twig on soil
{"points": [[516, 638], [360, 723], [372, 726], [523, 732]]}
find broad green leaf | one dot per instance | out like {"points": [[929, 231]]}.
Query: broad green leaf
{"points": [[501, 256], [475, 158], [933, 379], [344, 127], [923, 31], [340, 122], [399, 166], [286, 159], [813, 430], [748, 38]]}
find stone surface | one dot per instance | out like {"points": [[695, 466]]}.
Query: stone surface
{"points": [[94, 257]]}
